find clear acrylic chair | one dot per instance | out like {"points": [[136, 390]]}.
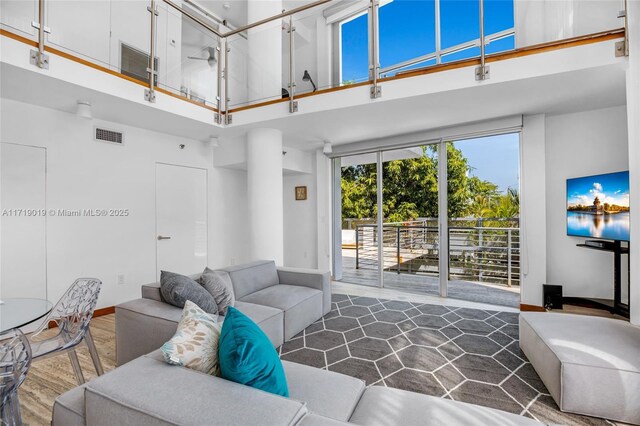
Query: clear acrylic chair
{"points": [[72, 314], [15, 360]]}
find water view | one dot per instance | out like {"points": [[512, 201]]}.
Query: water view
{"points": [[609, 226]]}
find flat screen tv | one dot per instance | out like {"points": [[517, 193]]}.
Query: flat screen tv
{"points": [[598, 206]]}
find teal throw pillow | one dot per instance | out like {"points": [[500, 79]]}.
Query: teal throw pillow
{"points": [[247, 356]]}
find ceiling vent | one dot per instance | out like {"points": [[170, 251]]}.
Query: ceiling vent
{"points": [[106, 135]]}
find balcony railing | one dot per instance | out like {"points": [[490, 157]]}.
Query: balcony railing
{"points": [[185, 50], [489, 254]]}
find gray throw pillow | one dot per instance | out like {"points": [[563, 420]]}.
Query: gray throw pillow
{"points": [[218, 284], [176, 289]]}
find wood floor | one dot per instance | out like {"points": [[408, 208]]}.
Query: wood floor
{"points": [[53, 376]]}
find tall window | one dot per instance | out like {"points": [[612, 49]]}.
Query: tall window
{"points": [[354, 54]]}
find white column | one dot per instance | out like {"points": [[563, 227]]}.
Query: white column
{"points": [[633, 112], [264, 187], [264, 68]]}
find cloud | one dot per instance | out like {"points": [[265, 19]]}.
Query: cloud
{"points": [[597, 186]]}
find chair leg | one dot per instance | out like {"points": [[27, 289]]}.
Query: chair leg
{"points": [[73, 357], [88, 338]]}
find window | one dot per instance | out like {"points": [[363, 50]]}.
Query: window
{"points": [[354, 52]]}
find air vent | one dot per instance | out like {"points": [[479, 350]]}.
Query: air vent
{"points": [[111, 136]]}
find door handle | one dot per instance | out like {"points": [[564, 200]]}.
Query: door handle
{"points": [[160, 237]]}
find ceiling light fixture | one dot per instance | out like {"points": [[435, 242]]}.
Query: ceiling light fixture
{"points": [[83, 110]]}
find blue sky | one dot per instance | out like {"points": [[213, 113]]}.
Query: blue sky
{"points": [[407, 31], [610, 188], [494, 158]]}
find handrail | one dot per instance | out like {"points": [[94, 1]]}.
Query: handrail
{"points": [[284, 14], [193, 17]]}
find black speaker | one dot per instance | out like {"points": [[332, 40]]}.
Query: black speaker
{"points": [[552, 296]]}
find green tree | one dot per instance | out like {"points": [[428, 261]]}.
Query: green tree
{"points": [[410, 189]]}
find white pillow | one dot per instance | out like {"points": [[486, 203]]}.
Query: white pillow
{"points": [[195, 344]]}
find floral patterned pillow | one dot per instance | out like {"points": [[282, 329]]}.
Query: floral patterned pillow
{"points": [[195, 344]]}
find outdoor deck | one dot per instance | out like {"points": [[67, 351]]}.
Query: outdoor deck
{"points": [[466, 290]]}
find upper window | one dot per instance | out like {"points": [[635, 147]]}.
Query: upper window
{"points": [[408, 30]]}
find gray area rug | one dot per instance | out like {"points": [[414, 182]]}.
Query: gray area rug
{"points": [[464, 354]]}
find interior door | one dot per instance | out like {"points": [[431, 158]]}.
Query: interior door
{"points": [[181, 219], [23, 248]]}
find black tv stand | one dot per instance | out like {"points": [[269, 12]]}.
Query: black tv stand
{"points": [[614, 306]]}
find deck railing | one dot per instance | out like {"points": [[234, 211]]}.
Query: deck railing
{"points": [[489, 254]]}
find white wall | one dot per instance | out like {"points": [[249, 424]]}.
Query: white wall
{"points": [[580, 144], [633, 112], [541, 21], [300, 222], [533, 209], [83, 173]]}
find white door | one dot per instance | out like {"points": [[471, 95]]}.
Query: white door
{"points": [[181, 219], [23, 248]]}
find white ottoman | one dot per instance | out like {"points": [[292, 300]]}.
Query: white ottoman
{"points": [[590, 365]]}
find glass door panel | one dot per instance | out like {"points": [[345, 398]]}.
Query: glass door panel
{"points": [[358, 203], [410, 231], [483, 219]]}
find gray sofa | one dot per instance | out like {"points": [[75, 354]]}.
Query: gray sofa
{"points": [[282, 301], [148, 391], [144, 390], [590, 365]]}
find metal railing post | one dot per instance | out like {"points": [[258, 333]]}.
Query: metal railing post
{"points": [[218, 116], [509, 257], [38, 57], [374, 66], [293, 104], [357, 249], [150, 94], [398, 246], [480, 255], [228, 119], [482, 72]]}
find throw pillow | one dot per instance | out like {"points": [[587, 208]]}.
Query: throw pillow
{"points": [[176, 289], [248, 357], [195, 344], [218, 284]]}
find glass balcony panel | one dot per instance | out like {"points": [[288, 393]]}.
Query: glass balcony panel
{"points": [[17, 16], [459, 22], [471, 52], [84, 28], [354, 50], [255, 65], [192, 57], [498, 16], [419, 65], [407, 30], [312, 51], [501, 45]]}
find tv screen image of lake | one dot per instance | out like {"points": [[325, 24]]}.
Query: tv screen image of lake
{"points": [[598, 206], [609, 227]]}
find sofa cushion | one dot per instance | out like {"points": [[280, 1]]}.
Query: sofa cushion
{"points": [[147, 391], [247, 356], [270, 320], [578, 356], [68, 408], [176, 289], [218, 284], [251, 277], [301, 305], [388, 406], [325, 392], [312, 419], [195, 344]]}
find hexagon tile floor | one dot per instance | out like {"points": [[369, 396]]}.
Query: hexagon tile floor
{"points": [[468, 355]]}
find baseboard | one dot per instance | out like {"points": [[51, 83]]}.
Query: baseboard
{"points": [[97, 313], [104, 311], [531, 308]]}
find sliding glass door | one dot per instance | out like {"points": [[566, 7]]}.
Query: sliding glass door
{"points": [[448, 222]]}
